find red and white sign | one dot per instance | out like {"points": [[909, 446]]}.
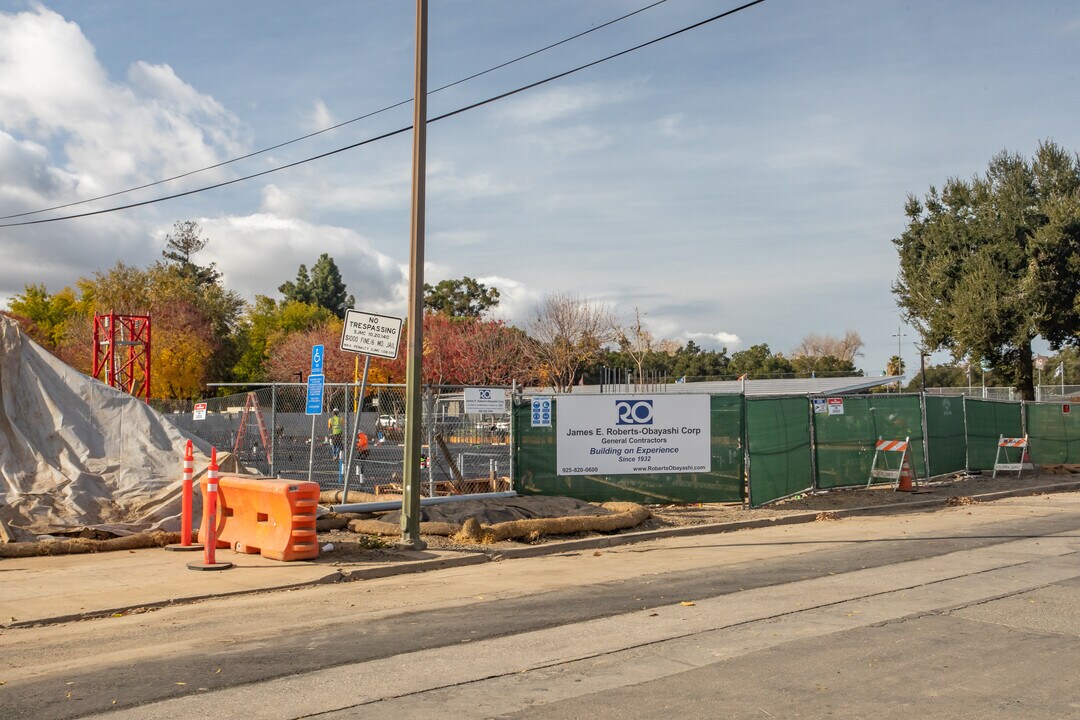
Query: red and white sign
{"points": [[836, 406], [1066, 409], [200, 411]]}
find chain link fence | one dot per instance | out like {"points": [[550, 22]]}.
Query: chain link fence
{"points": [[1043, 393], [269, 431]]}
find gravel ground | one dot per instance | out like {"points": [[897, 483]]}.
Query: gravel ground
{"points": [[350, 547]]}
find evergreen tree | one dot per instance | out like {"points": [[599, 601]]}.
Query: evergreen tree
{"points": [[184, 241], [460, 298], [327, 288], [988, 264], [300, 290]]}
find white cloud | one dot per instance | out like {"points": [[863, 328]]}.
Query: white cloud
{"points": [[561, 102], [444, 181], [68, 131], [276, 201], [569, 141], [388, 188], [257, 253], [459, 237], [714, 340], [28, 180], [54, 91], [671, 125], [320, 118], [516, 300]]}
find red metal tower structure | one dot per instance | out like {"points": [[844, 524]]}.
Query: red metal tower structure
{"points": [[122, 352]]}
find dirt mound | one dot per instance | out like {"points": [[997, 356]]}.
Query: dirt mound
{"points": [[76, 453]]}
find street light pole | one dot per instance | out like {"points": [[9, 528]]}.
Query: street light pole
{"points": [[410, 499], [899, 357]]}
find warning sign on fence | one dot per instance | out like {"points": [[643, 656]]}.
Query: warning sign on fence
{"points": [[836, 406], [200, 412]]}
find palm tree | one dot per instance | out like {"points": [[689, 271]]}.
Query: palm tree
{"points": [[895, 367]]}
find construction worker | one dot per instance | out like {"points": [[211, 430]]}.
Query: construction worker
{"points": [[361, 444], [335, 427]]}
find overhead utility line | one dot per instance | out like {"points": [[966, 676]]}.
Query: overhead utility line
{"points": [[365, 116], [392, 133]]}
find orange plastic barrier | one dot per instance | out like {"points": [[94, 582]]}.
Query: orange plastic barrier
{"points": [[274, 518]]}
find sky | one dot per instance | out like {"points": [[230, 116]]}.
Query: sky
{"points": [[739, 183]]}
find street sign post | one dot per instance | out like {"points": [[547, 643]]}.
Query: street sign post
{"points": [[314, 408], [367, 334]]}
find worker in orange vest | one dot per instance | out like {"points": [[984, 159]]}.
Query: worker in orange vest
{"points": [[361, 444]]}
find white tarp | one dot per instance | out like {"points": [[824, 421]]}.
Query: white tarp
{"points": [[76, 453]]}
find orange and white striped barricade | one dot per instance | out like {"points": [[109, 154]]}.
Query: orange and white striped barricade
{"points": [[902, 475], [209, 530], [186, 504], [1020, 446]]}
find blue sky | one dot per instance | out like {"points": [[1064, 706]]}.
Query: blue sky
{"points": [[739, 184]]}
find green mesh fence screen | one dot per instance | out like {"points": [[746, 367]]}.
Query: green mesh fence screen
{"points": [[778, 440], [845, 442], [988, 420], [535, 463], [1054, 435], [945, 434]]}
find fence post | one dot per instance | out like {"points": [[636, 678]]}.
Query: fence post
{"points": [[744, 439], [925, 433], [513, 437], [273, 428], [813, 445], [967, 445]]}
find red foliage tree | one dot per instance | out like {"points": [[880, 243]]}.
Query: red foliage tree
{"points": [[469, 351]]}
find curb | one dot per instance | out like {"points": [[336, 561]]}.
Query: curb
{"points": [[715, 528]]}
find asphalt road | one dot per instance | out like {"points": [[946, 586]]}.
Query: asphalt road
{"points": [[969, 612]]}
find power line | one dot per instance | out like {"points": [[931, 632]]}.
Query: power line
{"points": [[392, 133], [365, 116]]}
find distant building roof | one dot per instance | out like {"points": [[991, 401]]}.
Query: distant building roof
{"points": [[783, 386]]}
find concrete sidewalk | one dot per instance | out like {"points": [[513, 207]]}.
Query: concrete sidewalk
{"points": [[70, 587]]}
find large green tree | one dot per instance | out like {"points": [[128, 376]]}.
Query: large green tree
{"points": [[265, 326], [988, 264], [691, 361], [184, 241], [460, 298], [758, 361], [323, 287]]}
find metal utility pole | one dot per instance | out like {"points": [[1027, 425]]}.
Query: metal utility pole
{"points": [[410, 500], [899, 357], [922, 367]]}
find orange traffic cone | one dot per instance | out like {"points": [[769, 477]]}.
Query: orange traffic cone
{"points": [[904, 483]]}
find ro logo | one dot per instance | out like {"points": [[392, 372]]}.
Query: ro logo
{"points": [[633, 412], [485, 394]]}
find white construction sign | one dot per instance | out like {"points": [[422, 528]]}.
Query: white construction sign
{"points": [[371, 334], [485, 401], [619, 435]]}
